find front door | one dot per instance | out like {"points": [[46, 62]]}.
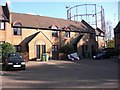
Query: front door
{"points": [[55, 54]]}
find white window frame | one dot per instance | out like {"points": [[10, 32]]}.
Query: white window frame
{"points": [[17, 31], [2, 25], [67, 34], [54, 33], [54, 48]]}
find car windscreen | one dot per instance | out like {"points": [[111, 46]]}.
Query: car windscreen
{"points": [[13, 55]]}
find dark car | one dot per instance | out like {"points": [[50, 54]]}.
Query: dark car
{"points": [[13, 61], [102, 55]]}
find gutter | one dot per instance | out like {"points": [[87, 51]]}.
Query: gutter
{"points": [[52, 29]]}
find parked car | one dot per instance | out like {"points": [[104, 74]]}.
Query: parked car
{"points": [[14, 61], [102, 55]]}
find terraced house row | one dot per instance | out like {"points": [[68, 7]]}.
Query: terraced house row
{"points": [[33, 35]]}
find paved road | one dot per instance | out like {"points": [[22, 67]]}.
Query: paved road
{"points": [[64, 74]]}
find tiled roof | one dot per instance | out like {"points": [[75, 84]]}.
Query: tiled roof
{"points": [[99, 31], [1, 13], [4, 13], [29, 38], [117, 28], [36, 21], [90, 28], [77, 39]]}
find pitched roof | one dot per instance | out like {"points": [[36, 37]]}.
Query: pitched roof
{"points": [[4, 13], [77, 39], [90, 28], [98, 29], [117, 28], [36, 21], [99, 32], [29, 38]]}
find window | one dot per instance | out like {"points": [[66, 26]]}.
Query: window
{"points": [[67, 34], [43, 48], [18, 48], [54, 33], [54, 48], [17, 31], [2, 42], [2, 25]]}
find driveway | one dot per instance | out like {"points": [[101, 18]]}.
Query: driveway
{"points": [[85, 73]]}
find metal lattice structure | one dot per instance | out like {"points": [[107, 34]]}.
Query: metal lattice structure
{"points": [[93, 14]]}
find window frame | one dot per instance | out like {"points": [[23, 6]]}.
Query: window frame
{"points": [[17, 32], [54, 48], [1, 22], [67, 34], [54, 33], [43, 48], [2, 42]]}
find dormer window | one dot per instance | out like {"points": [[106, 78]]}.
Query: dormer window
{"points": [[17, 30], [67, 34], [53, 27], [2, 25], [54, 33]]}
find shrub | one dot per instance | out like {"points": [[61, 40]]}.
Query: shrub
{"points": [[67, 49], [5, 49]]}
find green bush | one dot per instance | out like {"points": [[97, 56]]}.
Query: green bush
{"points": [[5, 49], [67, 49]]}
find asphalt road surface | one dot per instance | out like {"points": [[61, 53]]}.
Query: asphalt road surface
{"points": [[64, 74]]}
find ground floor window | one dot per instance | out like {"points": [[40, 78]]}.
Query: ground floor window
{"points": [[43, 48], [2, 42], [54, 48]]}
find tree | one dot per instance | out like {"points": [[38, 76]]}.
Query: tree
{"points": [[110, 44], [68, 48], [5, 49]]}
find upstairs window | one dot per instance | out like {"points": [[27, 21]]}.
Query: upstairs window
{"points": [[2, 25], [54, 33], [67, 34], [17, 30]]}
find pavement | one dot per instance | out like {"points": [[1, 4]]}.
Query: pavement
{"points": [[85, 73]]}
